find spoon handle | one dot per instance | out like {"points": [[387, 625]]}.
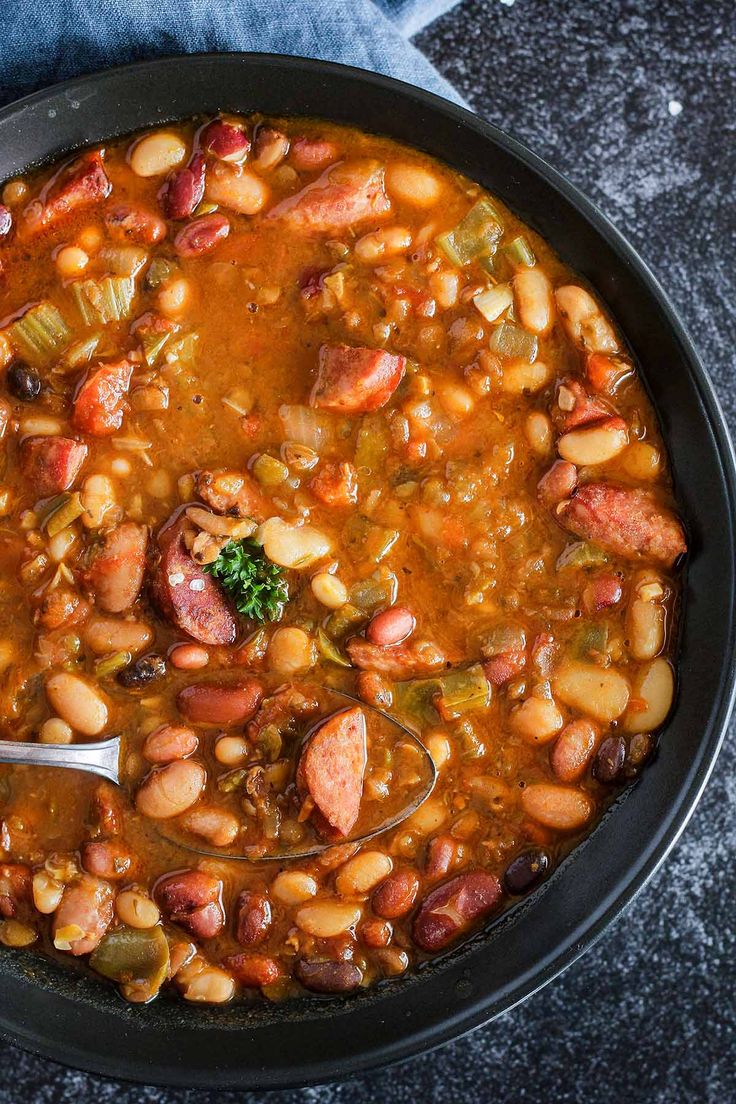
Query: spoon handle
{"points": [[99, 758]]}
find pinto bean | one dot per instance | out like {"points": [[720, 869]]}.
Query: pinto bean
{"points": [[169, 742], [83, 916], [171, 790], [254, 918], [253, 970], [562, 808], [78, 703], [312, 154], [396, 895], [452, 908], [218, 827], [557, 484], [189, 657], [201, 235], [103, 635], [213, 704], [573, 750], [192, 899], [116, 574], [270, 147], [107, 859], [328, 976], [392, 626]]}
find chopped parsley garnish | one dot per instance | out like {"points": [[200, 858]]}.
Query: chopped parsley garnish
{"points": [[257, 585]]}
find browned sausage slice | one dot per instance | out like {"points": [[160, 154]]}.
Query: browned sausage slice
{"points": [[188, 597], [234, 493], [51, 464], [356, 380], [400, 661], [77, 185], [116, 574], [625, 520], [344, 195], [332, 766]]}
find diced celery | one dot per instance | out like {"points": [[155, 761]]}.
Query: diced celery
{"points": [[462, 692], [344, 619], [160, 270], [111, 664], [81, 352], [40, 334], [372, 445], [64, 514], [123, 260], [107, 300], [509, 340], [415, 699], [269, 471], [376, 592], [153, 344], [183, 350], [519, 252], [590, 638], [476, 235], [581, 554], [494, 301], [330, 650]]}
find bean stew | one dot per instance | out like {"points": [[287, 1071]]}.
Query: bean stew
{"points": [[289, 409]]}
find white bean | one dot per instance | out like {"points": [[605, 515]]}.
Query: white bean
{"points": [[79, 704], [585, 323], [654, 688], [156, 153], [533, 294]]}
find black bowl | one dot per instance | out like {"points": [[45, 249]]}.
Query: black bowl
{"points": [[66, 1015]]}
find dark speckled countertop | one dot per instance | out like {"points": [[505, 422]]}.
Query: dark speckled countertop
{"points": [[634, 102]]}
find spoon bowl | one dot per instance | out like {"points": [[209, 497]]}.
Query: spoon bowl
{"points": [[105, 759]]}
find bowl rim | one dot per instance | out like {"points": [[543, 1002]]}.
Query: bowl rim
{"points": [[473, 1008]]}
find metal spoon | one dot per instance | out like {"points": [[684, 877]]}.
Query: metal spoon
{"points": [[103, 759]]}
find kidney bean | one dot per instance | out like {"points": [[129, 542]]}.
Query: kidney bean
{"points": [[376, 933], [396, 895], [609, 760], [210, 703], [328, 977], [270, 148], [192, 899], [184, 189], [107, 859], [392, 626], [526, 870], [558, 483], [171, 790], [83, 916], [254, 918], [573, 750], [373, 689], [441, 852], [601, 593], [253, 970], [225, 141], [169, 742], [452, 908], [201, 235]]}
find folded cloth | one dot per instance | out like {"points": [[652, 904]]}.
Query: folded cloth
{"points": [[44, 41]]}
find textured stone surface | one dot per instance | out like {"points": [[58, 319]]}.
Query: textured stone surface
{"points": [[648, 1015]]}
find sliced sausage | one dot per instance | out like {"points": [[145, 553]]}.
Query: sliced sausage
{"points": [[577, 408], [336, 484], [452, 908], [234, 493], [344, 195], [128, 222], [83, 916], [190, 599], [332, 766], [76, 185], [100, 403], [116, 574], [356, 380], [401, 661], [51, 464], [625, 520]]}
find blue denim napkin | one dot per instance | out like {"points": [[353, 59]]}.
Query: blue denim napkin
{"points": [[44, 41]]}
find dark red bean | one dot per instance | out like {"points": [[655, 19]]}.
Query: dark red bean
{"points": [[184, 190], [395, 896], [441, 852], [609, 759], [226, 141], [23, 383], [254, 918], [452, 908], [192, 899], [329, 977], [526, 871], [253, 970], [202, 235]]}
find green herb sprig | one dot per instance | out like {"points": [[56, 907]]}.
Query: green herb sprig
{"points": [[256, 584]]}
